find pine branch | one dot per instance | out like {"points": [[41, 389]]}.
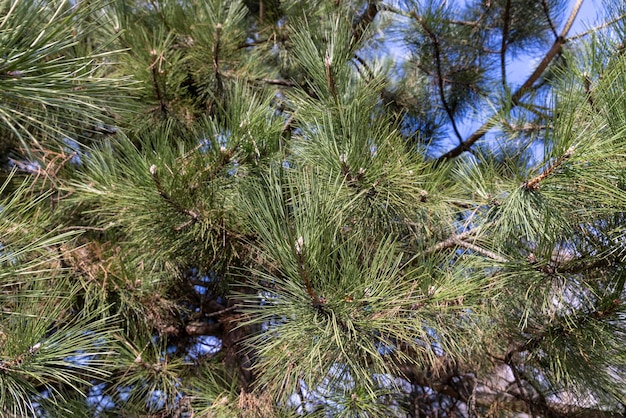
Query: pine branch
{"points": [[546, 11], [302, 270], [216, 57], [452, 382], [156, 70], [556, 48], [459, 240], [451, 242], [330, 78], [480, 250], [439, 75], [534, 183], [202, 328], [597, 28], [221, 312], [505, 34], [363, 21], [194, 217], [8, 366]]}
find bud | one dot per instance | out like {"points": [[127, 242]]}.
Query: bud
{"points": [[153, 169], [299, 245], [34, 348]]}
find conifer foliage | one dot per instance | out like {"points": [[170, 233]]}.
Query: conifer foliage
{"points": [[327, 208]]}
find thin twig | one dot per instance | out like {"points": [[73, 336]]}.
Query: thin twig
{"points": [[299, 249], [156, 69], [533, 184], [363, 21], [216, 52], [597, 28], [451, 242], [331, 85], [546, 11], [277, 82], [440, 86], [223, 311], [193, 216], [505, 34], [86, 228], [480, 250], [369, 71]]}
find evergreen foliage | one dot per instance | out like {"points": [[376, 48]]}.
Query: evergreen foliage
{"points": [[285, 208]]}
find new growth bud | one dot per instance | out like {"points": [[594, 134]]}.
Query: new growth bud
{"points": [[299, 245]]}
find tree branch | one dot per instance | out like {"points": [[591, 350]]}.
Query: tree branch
{"points": [[201, 328], [533, 184], [556, 48], [451, 242], [363, 21], [505, 34], [597, 28], [546, 11], [216, 52], [480, 250], [439, 76], [459, 240], [193, 216]]}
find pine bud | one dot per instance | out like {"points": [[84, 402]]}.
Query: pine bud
{"points": [[34, 348], [299, 245], [153, 169]]}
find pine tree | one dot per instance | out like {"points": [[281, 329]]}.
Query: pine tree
{"points": [[258, 208]]}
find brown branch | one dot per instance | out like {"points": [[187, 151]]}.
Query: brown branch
{"points": [[194, 217], [257, 81], [556, 48], [459, 241], [480, 250], [288, 124], [546, 11], [531, 402], [368, 70], [534, 183], [505, 34], [450, 242], [156, 69], [201, 328], [597, 28], [277, 82], [216, 49], [447, 383], [330, 79], [363, 21], [216, 52], [10, 365], [221, 312], [299, 250], [253, 43], [440, 86]]}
